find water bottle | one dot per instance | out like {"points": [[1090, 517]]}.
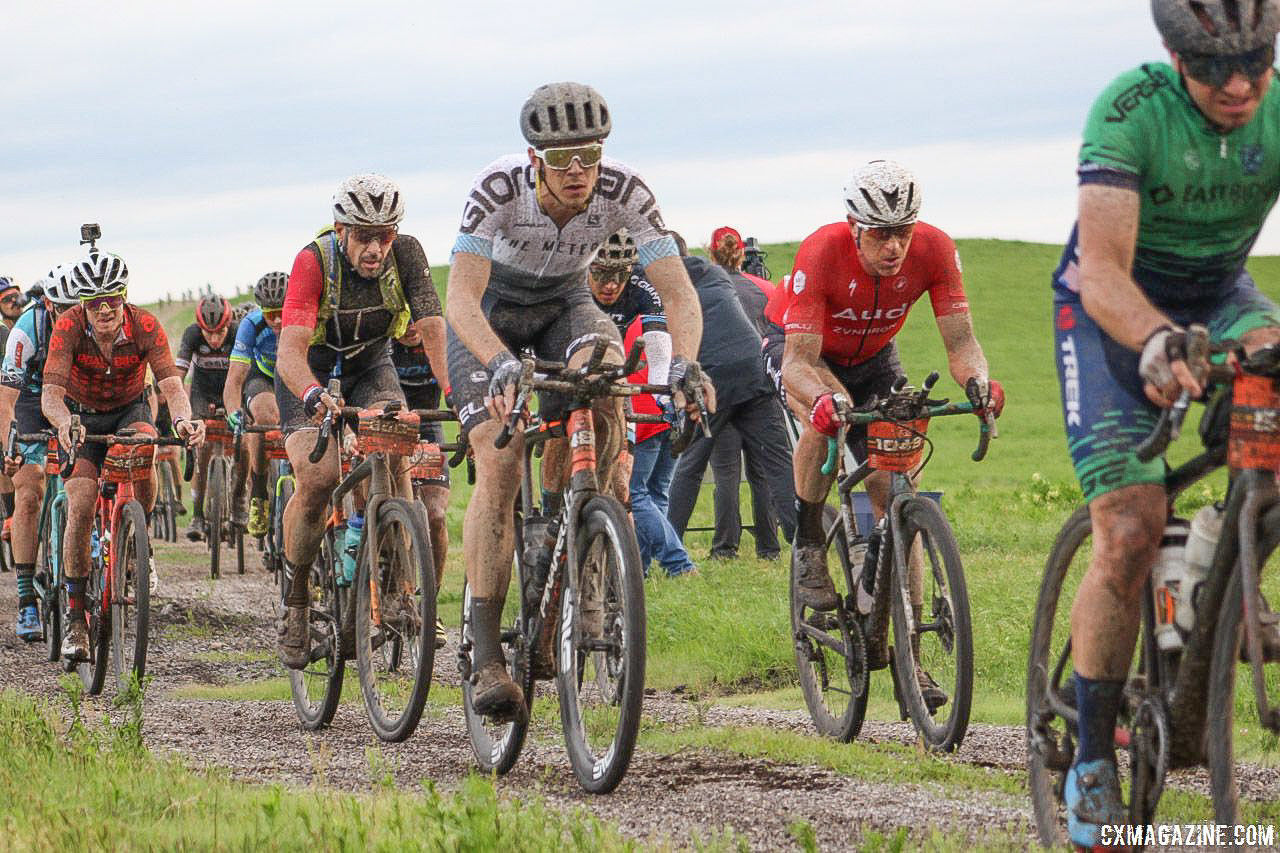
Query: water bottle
{"points": [[1167, 578], [866, 589], [1202, 539], [355, 532], [95, 547]]}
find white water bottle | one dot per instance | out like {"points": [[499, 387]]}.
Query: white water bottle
{"points": [[1202, 540], [1167, 577]]}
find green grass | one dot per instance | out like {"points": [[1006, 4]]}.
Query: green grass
{"points": [[99, 788]]}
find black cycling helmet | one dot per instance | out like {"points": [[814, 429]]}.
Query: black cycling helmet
{"points": [[269, 291], [560, 114], [213, 314], [1216, 27]]}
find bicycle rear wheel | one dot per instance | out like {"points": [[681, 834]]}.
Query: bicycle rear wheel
{"points": [[395, 620], [944, 635], [317, 687], [215, 509], [1231, 690], [283, 492], [93, 672], [830, 651], [131, 596], [601, 659]]}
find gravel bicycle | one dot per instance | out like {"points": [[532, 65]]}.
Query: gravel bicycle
{"points": [[51, 522], [589, 598], [118, 591], [394, 614], [219, 486], [1182, 699], [837, 650]]}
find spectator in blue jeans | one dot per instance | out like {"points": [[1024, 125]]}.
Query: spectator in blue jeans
{"points": [[620, 289]]}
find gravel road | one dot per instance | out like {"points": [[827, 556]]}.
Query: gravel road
{"points": [[222, 633]]}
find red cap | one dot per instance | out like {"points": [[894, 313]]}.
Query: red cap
{"points": [[725, 231]]}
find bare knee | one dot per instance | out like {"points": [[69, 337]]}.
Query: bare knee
{"points": [[1127, 526]]}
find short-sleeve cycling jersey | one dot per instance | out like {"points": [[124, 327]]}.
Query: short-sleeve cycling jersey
{"points": [[255, 344], [534, 260], [362, 315], [26, 348], [637, 301], [1204, 194], [856, 313], [206, 365], [77, 364]]}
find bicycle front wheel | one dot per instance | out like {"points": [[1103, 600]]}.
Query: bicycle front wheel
{"points": [[49, 570], [395, 620], [600, 665], [1231, 689], [943, 634], [131, 597], [93, 672], [317, 687], [216, 503]]}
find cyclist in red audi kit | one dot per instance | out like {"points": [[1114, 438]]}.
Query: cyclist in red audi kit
{"points": [[850, 291], [97, 364]]}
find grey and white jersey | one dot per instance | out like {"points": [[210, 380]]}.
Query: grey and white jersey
{"points": [[533, 259]]}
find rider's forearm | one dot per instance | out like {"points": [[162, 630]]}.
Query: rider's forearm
{"points": [[8, 401], [53, 402], [231, 391], [432, 331], [800, 376], [175, 395], [291, 360], [467, 282], [684, 314], [965, 358], [1116, 304]]}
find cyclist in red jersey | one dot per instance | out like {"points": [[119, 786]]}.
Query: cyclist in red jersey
{"points": [[99, 353], [850, 290]]}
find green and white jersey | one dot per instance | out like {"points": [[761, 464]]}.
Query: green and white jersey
{"points": [[1205, 194]]}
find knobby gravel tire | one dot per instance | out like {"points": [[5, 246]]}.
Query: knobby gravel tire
{"points": [[131, 597]]}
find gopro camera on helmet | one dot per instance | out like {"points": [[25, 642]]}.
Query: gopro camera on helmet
{"points": [[90, 232]]}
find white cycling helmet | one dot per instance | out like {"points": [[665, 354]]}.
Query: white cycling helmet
{"points": [[100, 274], [59, 288], [882, 194], [1216, 27], [368, 199]]}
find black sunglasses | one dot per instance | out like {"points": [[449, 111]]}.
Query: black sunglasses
{"points": [[1216, 70]]}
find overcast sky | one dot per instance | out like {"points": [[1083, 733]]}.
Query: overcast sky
{"points": [[208, 138]]}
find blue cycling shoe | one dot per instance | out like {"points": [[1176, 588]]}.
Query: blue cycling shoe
{"points": [[1093, 801], [29, 624]]}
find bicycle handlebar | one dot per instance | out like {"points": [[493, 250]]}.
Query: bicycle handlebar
{"points": [[1169, 425]]}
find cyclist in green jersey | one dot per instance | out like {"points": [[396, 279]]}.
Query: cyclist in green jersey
{"points": [[1178, 171]]}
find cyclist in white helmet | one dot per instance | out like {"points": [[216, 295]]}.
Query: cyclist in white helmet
{"points": [[20, 380], [531, 226], [357, 286], [849, 293]]}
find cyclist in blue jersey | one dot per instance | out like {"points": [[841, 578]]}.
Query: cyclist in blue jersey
{"points": [[20, 382], [1177, 173], [250, 388]]}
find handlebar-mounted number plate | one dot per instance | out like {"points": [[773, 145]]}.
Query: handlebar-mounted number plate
{"points": [[1254, 437], [895, 447], [383, 433]]}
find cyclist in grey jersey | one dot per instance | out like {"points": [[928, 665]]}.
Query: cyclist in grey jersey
{"points": [[530, 228]]}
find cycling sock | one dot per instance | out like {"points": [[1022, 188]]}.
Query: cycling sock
{"points": [[1098, 703], [809, 523], [75, 596], [26, 583], [258, 485], [298, 596], [6, 499], [486, 617]]}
